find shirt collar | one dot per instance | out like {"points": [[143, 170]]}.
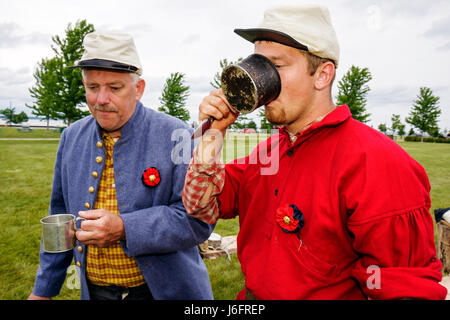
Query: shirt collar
{"points": [[108, 140], [335, 117]]}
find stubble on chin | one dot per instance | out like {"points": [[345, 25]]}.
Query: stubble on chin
{"points": [[275, 116]]}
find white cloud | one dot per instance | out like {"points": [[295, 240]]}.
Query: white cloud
{"points": [[404, 43], [12, 35]]}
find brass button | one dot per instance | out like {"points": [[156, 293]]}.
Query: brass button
{"points": [[87, 205], [95, 174], [99, 144], [99, 159], [91, 189], [80, 249], [78, 264]]}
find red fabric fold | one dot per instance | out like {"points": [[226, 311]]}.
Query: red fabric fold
{"points": [[398, 257]]}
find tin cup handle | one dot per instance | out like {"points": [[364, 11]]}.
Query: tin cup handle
{"points": [[75, 224]]}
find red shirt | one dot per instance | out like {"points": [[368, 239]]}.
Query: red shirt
{"points": [[365, 202]]}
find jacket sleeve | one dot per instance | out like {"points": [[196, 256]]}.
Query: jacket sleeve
{"points": [[53, 266], [164, 228]]}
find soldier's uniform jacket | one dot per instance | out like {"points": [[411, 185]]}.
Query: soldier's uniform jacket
{"points": [[159, 234]]}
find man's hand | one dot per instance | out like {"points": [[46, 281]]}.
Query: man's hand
{"points": [[32, 296], [101, 228], [216, 105]]}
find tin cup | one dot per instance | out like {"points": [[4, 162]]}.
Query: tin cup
{"points": [[251, 83], [247, 85], [58, 232]]}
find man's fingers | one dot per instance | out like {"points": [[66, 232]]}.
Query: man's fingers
{"points": [[214, 105], [85, 237], [208, 110], [92, 214]]}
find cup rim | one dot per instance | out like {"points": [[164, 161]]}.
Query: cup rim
{"points": [[255, 88], [56, 215]]}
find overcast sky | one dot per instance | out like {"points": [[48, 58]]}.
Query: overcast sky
{"points": [[404, 43]]}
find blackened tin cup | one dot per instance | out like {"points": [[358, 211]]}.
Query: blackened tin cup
{"points": [[251, 83]]}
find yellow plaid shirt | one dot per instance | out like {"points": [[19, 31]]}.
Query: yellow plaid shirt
{"points": [[110, 266]]}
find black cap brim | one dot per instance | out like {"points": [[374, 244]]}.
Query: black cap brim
{"points": [[105, 64], [256, 34]]}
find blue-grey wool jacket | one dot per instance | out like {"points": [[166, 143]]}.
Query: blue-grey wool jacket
{"points": [[159, 234]]}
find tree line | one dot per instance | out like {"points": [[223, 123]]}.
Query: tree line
{"points": [[58, 92]]}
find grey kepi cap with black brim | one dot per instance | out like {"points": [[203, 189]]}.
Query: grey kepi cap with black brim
{"points": [[305, 27], [110, 50]]}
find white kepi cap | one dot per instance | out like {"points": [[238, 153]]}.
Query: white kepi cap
{"points": [[111, 50], [306, 27]]}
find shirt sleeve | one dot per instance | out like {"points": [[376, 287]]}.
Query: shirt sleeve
{"points": [[198, 179], [391, 229], [398, 256]]}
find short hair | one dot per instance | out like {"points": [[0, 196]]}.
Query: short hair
{"points": [[315, 61]]}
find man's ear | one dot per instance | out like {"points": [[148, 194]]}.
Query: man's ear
{"points": [[324, 75], [140, 87]]}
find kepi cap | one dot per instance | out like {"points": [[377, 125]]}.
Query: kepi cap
{"points": [[111, 50], [305, 27]]}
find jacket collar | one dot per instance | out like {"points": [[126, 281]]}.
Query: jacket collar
{"points": [[132, 123]]}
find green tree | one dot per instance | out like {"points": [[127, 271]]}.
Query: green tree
{"points": [[46, 88], [13, 117], [59, 90], [241, 122], [401, 130], [397, 126], [70, 49], [353, 90], [251, 124], [173, 97], [382, 127], [425, 112], [8, 113], [21, 117]]}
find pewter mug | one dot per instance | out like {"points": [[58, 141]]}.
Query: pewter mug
{"points": [[58, 232]]}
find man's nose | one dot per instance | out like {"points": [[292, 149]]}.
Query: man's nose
{"points": [[103, 96]]}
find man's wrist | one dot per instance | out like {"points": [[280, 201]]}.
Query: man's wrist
{"points": [[209, 149]]}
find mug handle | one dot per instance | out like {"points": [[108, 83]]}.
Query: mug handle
{"points": [[75, 224]]}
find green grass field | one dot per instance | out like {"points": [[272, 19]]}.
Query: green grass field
{"points": [[26, 169], [8, 132]]}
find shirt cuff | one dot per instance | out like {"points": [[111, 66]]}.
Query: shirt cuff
{"points": [[198, 178]]}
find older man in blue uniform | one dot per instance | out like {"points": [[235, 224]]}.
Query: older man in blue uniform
{"points": [[116, 170]]}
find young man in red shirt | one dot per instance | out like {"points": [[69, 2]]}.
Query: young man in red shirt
{"points": [[328, 207]]}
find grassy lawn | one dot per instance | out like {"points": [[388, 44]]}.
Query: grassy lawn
{"points": [[7, 132], [26, 170]]}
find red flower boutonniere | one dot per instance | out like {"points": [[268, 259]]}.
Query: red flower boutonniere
{"points": [[150, 177], [290, 218]]}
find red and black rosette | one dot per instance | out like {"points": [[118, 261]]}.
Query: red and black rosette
{"points": [[289, 218], [151, 177]]}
